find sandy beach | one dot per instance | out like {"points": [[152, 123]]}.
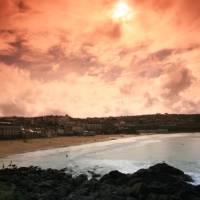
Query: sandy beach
{"points": [[9, 147]]}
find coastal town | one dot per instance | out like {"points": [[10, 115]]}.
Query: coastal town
{"points": [[55, 126]]}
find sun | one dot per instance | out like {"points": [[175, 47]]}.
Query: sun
{"points": [[122, 11]]}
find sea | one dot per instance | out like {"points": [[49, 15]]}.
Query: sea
{"points": [[127, 155]]}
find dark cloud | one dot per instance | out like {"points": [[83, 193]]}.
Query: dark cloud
{"points": [[185, 11], [137, 48], [40, 64], [22, 6], [150, 101], [165, 54], [179, 79], [162, 54], [112, 74], [12, 109], [15, 56], [187, 49], [155, 72], [155, 64], [155, 4], [127, 89], [57, 53], [114, 31], [7, 31], [109, 29]]}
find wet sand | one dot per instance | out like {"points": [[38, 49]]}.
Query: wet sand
{"points": [[9, 147]]}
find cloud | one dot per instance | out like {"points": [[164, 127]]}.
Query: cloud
{"points": [[70, 57], [179, 79], [22, 6], [11, 109], [150, 101], [109, 29], [183, 8]]}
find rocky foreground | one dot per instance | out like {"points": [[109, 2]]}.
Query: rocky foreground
{"points": [[159, 182]]}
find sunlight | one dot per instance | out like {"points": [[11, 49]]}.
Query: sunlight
{"points": [[122, 11]]}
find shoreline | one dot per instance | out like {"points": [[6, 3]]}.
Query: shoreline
{"points": [[11, 147]]}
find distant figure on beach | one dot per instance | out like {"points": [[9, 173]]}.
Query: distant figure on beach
{"points": [[10, 165], [67, 155], [3, 166]]}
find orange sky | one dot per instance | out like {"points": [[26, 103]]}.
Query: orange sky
{"points": [[74, 57]]}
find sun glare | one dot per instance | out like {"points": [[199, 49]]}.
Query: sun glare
{"points": [[122, 11]]}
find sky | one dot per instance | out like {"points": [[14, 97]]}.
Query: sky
{"points": [[95, 58]]}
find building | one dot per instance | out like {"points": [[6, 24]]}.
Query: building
{"points": [[60, 131], [78, 129], [7, 130], [49, 132], [94, 127]]}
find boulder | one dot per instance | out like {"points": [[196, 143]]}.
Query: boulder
{"points": [[114, 177]]}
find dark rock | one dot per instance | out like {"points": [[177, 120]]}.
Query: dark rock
{"points": [[131, 198], [114, 177], [81, 179], [138, 188], [166, 169], [6, 191], [159, 182]]}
